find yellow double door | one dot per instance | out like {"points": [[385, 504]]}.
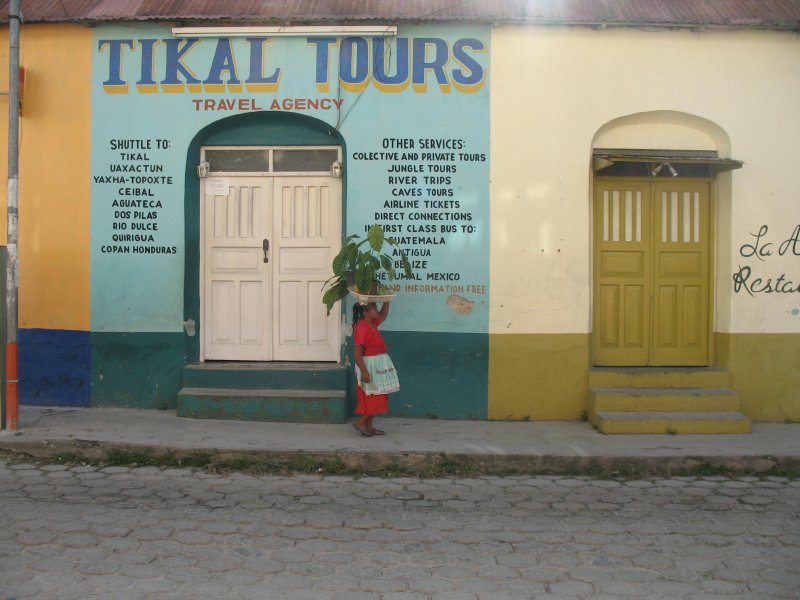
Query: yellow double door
{"points": [[652, 272]]}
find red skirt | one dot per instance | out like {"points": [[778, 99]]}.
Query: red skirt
{"points": [[371, 404]]}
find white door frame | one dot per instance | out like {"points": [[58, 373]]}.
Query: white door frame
{"points": [[270, 177]]}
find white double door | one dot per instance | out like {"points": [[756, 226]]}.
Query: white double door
{"points": [[267, 248]]}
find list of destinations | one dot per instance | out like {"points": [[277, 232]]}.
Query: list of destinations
{"points": [[422, 204], [423, 207], [133, 195]]}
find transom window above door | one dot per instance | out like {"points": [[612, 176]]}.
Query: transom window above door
{"points": [[264, 160]]}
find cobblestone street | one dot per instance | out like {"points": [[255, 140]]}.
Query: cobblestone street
{"points": [[116, 532]]}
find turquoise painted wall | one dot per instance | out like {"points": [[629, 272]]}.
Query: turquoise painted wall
{"points": [[137, 370], [412, 115], [433, 121], [441, 375]]}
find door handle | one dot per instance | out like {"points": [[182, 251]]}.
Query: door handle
{"points": [[265, 246]]}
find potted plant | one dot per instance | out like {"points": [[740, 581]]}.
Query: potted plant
{"points": [[356, 268]]}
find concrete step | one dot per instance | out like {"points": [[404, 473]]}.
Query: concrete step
{"points": [[286, 405], [266, 375], [634, 399], [658, 377], [670, 422]]}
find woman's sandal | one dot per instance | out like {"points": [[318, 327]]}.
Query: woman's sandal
{"points": [[377, 432], [363, 430]]}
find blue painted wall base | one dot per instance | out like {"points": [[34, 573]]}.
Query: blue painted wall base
{"points": [[54, 367]]}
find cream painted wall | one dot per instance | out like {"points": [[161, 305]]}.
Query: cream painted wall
{"points": [[663, 129], [554, 90]]}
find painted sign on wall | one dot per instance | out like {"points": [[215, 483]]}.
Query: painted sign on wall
{"points": [[413, 111], [753, 278]]}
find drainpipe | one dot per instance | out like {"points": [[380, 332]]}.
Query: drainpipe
{"points": [[12, 281]]}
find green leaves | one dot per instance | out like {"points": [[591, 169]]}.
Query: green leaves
{"points": [[363, 279], [334, 293], [361, 268], [388, 265], [406, 264], [344, 262], [376, 237]]}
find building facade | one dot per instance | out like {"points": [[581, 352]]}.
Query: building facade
{"points": [[579, 201]]}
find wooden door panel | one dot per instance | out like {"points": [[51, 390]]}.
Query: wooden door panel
{"points": [[257, 310], [680, 264], [652, 275], [251, 302], [666, 316], [623, 265], [235, 277], [622, 256], [608, 312], [633, 310], [307, 238], [290, 304], [693, 313], [222, 302], [319, 332], [681, 280]]}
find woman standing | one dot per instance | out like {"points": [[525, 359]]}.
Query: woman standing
{"points": [[375, 374]]}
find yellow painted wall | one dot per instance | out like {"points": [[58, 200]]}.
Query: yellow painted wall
{"points": [[538, 377], [556, 92], [764, 371], [53, 174]]}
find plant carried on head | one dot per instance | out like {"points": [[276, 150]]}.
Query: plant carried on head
{"points": [[358, 264]]}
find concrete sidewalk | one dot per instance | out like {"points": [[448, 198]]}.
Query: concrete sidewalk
{"points": [[493, 446]]}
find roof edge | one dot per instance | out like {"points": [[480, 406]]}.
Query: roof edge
{"points": [[595, 24]]}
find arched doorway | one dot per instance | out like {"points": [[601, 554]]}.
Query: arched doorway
{"points": [[263, 210], [654, 194]]}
